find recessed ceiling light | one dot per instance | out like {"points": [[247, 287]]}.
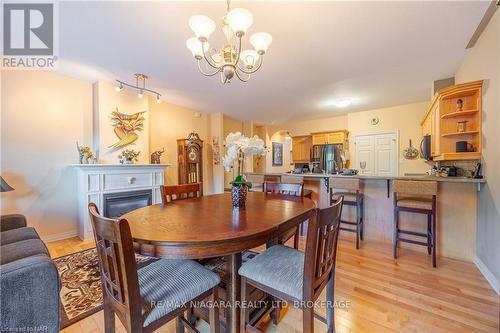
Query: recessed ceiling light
{"points": [[342, 102]]}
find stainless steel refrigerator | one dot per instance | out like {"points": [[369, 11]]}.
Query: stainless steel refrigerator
{"points": [[327, 158]]}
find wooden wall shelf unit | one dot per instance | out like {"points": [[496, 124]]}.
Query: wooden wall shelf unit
{"points": [[442, 118]]}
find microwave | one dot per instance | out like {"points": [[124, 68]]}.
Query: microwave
{"points": [[425, 148]]}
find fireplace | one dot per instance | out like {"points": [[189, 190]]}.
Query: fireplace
{"points": [[119, 203]]}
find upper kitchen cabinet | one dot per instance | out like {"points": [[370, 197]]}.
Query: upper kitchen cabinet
{"points": [[335, 137], [454, 123], [301, 148]]}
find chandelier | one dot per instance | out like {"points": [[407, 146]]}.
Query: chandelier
{"points": [[230, 61]]}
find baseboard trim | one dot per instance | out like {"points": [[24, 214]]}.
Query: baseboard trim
{"points": [[488, 275], [61, 236]]}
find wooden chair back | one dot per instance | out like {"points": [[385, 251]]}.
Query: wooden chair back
{"points": [[321, 249], [179, 192], [284, 188], [118, 268]]}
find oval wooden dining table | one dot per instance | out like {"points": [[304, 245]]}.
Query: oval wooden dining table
{"points": [[209, 226]]}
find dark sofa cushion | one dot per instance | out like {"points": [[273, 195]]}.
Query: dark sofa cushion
{"points": [[22, 249], [16, 235], [30, 295]]}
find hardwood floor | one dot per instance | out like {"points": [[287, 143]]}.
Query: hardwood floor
{"points": [[379, 294]]}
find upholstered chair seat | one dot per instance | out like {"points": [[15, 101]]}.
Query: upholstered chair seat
{"points": [[414, 202], [280, 268], [171, 284]]}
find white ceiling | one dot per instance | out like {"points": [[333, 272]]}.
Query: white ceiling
{"points": [[380, 53]]}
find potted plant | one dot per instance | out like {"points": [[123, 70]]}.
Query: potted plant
{"points": [[128, 156], [238, 146]]}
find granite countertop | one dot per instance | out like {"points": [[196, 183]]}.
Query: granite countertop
{"points": [[417, 177]]}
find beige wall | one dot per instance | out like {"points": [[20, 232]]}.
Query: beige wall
{"points": [[42, 117], [169, 123], [106, 100], [483, 63], [230, 125], [44, 114], [403, 118]]}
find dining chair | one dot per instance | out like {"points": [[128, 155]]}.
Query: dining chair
{"points": [[291, 189], [179, 192], [299, 277], [145, 299]]}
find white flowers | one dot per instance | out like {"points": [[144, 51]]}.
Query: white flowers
{"points": [[238, 146]]}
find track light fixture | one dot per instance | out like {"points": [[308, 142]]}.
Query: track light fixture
{"points": [[140, 85]]}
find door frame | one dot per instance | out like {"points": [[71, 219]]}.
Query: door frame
{"points": [[396, 132]]}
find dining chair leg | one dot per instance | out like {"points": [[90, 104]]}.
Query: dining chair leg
{"points": [[276, 311], [296, 239], [429, 233], [395, 233], [179, 326], [244, 310], [308, 320], [434, 247], [214, 312], [358, 227], [109, 319], [330, 300]]}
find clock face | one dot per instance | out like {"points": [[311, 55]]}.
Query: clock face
{"points": [[192, 155]]}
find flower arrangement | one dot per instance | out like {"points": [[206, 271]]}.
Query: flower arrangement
{"points": [[128, 156], [238, 146]]}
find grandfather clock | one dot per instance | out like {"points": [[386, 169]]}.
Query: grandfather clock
{"points": [[189, 157]]}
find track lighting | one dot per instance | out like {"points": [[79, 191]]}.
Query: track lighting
{"points": [[140, 85]]}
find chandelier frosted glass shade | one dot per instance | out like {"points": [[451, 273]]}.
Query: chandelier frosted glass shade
{"points": [[231, 59], [202, 26], [196, 47], [261, 41], [249, 58], [239, 19]]}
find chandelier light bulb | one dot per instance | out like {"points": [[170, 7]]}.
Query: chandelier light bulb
{"points": [[261, 41], [202, 26], [239, 19], [140, 94], [249, 58], [196, 47]]}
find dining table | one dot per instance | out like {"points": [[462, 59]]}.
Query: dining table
{"points": [[209, 226]]}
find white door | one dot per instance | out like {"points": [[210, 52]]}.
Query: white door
{"points": [[364, 155], [378, 153]]}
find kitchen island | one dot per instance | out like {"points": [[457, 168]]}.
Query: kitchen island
{"points": [[456, 209]]}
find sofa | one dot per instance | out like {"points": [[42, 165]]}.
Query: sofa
{"points": [[29, 281]]}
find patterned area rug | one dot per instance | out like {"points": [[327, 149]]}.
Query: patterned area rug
{"points": [[81, 293]]}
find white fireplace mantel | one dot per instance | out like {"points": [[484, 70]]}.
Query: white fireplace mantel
{"points": [[95, 180]]}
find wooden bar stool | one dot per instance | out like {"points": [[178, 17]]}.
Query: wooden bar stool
{"points": [[306, 193], [350, 189], [257, 182], [416, 197]]}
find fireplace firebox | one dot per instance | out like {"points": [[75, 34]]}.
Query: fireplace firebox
{"points": [[119, 203]]}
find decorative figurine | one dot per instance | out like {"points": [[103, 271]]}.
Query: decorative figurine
{"points": [[128, 156], [155, 156], [86, 156], [462, 126], [460, 104]]}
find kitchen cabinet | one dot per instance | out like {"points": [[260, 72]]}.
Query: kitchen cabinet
{"points": [[301, 148], [444, 114], [324, 138]]}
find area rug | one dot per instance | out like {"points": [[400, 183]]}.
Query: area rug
{"points": [[81, 293]]}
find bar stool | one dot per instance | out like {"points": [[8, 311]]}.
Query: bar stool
{"points": [[306, 193], [416, 197], [257, 182], [350, 189]]}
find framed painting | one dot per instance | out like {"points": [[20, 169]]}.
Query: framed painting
{"points": [[277, 154]]}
